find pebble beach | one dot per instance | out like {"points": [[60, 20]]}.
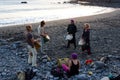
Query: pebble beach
{"points": [[104, 39]]}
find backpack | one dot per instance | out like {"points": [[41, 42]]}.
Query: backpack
{"points": [[57, 72]]}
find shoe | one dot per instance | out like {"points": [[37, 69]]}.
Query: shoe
{"points": [[34, 65]]}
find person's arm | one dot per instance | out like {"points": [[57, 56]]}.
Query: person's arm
{"points": [[83, 34], [69, 64], [75, 28], [67, 29], [79, 64]]}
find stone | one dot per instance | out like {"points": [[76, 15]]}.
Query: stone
{"points": [[82, 77]]}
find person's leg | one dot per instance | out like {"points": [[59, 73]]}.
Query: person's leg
{"points": [[29, 55], [68, 44], [34, 58], [65, 67], [83, 48], [29, 58], [42, 43], [88, 48], [74, 44], [74, 41]]}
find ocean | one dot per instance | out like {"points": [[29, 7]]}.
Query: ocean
{"points": [[12, 12]]}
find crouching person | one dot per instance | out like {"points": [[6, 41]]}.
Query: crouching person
{"points": [[32, 56]]}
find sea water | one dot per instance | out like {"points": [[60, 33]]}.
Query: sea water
{"points": [[12, 12]]}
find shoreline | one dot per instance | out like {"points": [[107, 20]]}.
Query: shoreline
{"points": [[18, 19], [18, 29], [81, 19]]}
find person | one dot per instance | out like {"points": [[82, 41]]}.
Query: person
{"points": [[86, 38], [74, 65], [32, 57], [72, 29], [41, 33]]}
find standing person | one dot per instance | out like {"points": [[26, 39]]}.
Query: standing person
{"points": [[32, 58], [41, 33], [72, 29], [74, 65], [86, 38]]}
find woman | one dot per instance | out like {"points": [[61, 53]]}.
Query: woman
{"points": [[32, 58], [41, 33], [74, 65], [86, 38]]}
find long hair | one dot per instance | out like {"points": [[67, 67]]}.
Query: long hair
{"points": [[86, 26]]}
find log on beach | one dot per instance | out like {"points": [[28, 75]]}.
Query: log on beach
{"points": [[24, 2]]}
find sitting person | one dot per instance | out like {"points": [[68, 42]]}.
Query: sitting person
{"points": [[73, 66]]}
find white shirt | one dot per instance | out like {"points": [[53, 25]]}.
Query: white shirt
{"points": [[40, 30]]}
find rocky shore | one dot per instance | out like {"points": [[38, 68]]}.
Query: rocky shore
{"points": [[104, 38]]}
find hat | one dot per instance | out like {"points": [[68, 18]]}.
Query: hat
{"points": [[74, 56], [72, 20]]}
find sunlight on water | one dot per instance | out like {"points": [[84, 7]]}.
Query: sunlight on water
{"points": [[35, 11]]}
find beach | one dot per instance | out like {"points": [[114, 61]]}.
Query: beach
{"points": [[104, 39]]}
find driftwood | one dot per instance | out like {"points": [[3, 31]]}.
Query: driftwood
{"points": [[24, 2]]}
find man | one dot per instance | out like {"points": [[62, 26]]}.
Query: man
{"points": [[72, 29], [41, 33]]}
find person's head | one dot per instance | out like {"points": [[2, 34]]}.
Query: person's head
{"points": [[42, 23], [86, 26], [29, 27], [74, 56], [72, 21]]}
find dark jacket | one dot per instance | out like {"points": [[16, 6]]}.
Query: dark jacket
{"points": [[72, 29], [86, 36]]}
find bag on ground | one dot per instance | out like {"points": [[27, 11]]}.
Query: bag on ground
{"points": [[57, 72], [62, 61]]}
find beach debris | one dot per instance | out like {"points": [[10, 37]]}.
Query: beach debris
{"points": [[98, 65], [104, 59], [24, 2]]}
